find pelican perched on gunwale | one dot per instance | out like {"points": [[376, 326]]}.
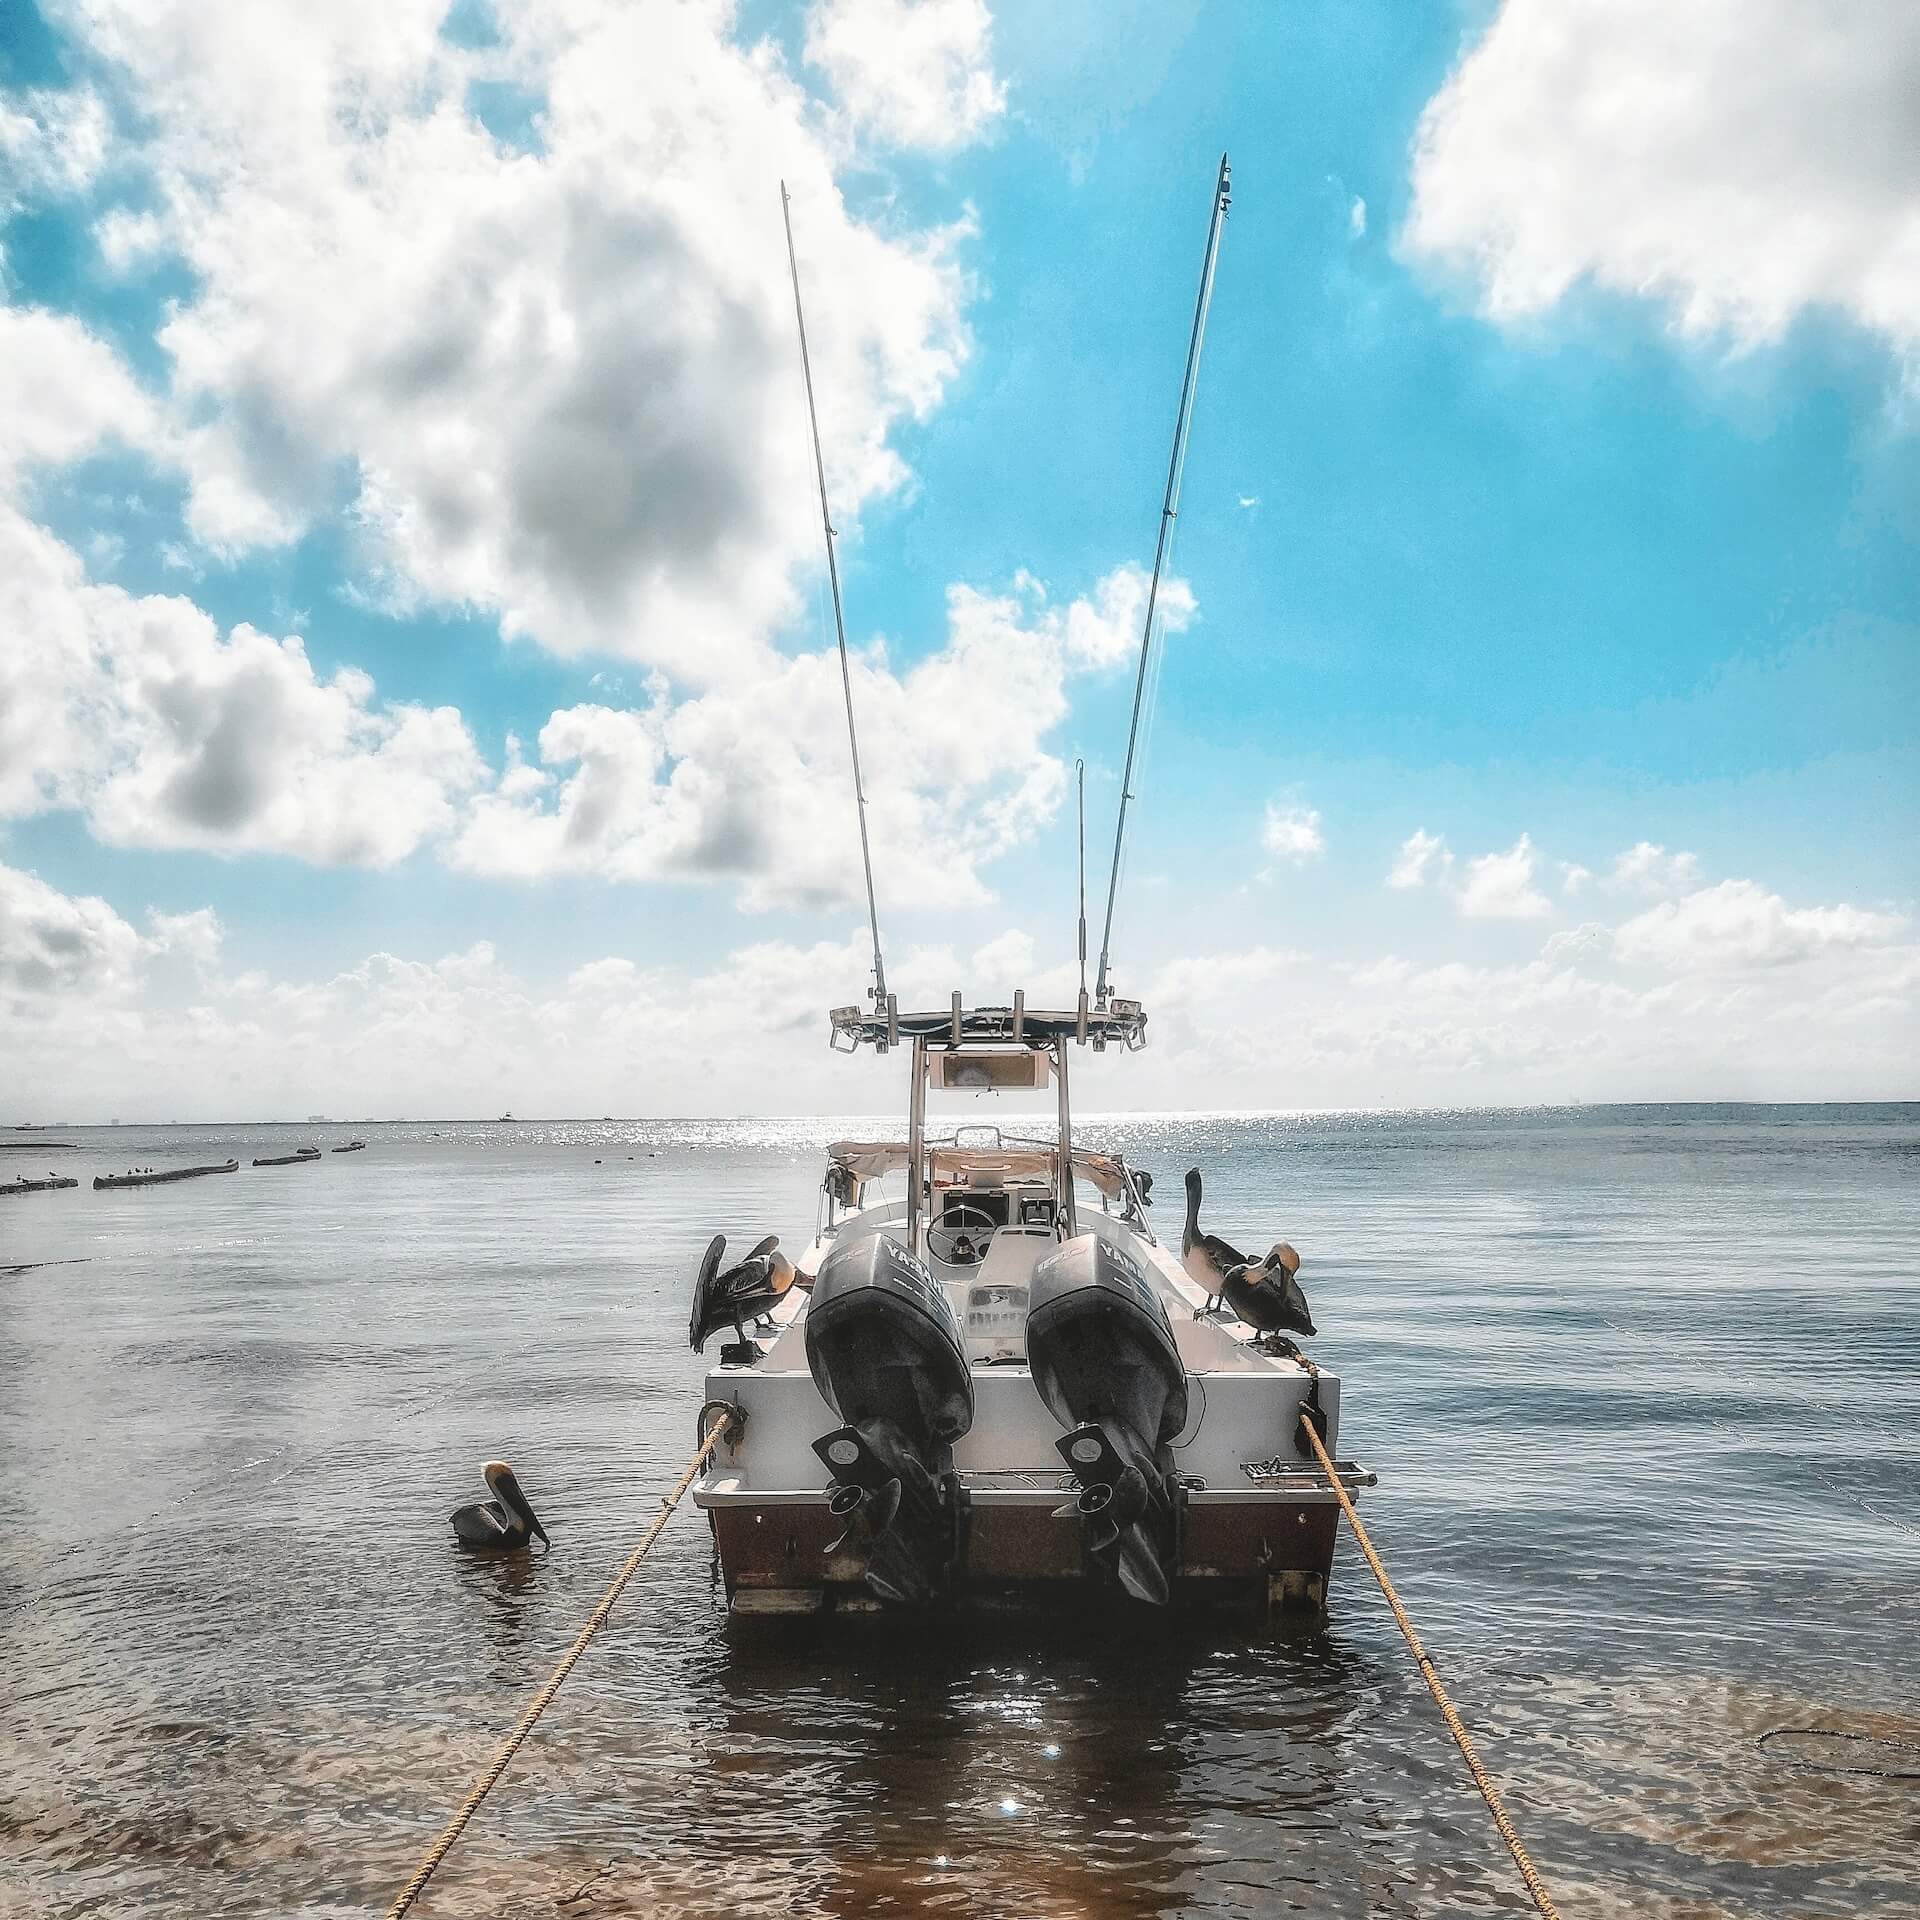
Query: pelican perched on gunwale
{"points": [[747, 1292], [1263, 1293], [503, 1524]]}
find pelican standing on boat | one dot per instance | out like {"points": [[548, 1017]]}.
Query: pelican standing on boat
{"points": [[1263, 1293], [503, 1524], [749, 1291]]}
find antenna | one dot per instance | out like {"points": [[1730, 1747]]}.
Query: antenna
{"points": [[839, 618], [1080, 778], [1169, 508]]}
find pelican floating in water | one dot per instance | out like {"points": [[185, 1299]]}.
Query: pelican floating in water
{"points": [[1263, 1293], [749, 1291], [503, 1524]]}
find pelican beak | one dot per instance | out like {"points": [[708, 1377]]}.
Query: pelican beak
{"points": [[534, 1526]]}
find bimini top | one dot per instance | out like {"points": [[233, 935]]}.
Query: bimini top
{"points": [[874, 1159], [1119, 1023]]}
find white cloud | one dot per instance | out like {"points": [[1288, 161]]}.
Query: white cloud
{"points": [[751, 782], [915, 73], [1499, 886], [1739, 924], [1574, 878], [1292, 833], [573, 401], [1646, 868], [1357, 218], [1493, 886], [165, 734], [97, 1017], [1738, 161], [52, 943], [52, 142], [1423, 856], [1002, 964], [63, 394]]}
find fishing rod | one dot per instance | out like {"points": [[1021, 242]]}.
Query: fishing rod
{"points": [[839, 618], [1169, 508], [1080, 778]]}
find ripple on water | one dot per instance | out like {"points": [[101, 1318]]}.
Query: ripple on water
{"points": [[247, 1673]]}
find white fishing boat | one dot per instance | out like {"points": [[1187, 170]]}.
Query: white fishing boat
{"points": [[989, 1379]]}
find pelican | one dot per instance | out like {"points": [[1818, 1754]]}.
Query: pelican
{"points": [[1263, 1293], [749, 1291], [503, 1524]]}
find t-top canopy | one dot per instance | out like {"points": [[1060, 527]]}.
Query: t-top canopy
{"points": [[1119, 1023], [874, 1159]]}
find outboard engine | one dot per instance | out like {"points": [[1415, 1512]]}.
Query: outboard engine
{"points": [[1104, 1361], [886, 1351]]}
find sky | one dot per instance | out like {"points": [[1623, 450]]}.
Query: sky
{"points": [[417, 683]]}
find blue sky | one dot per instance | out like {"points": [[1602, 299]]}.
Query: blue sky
{"points": [[1553, 494]]}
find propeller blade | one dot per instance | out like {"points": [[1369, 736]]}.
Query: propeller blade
{"points": [[1141, 1573]]}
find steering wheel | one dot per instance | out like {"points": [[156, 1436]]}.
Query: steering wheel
{"points": [[950, 1240]]}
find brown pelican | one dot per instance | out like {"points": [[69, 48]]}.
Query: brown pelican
{"points": [[1263, 1293], [749, 1291], [503, 1524]]}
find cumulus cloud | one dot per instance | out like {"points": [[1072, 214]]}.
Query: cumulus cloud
{"points": [[1738, 161], [1739, 924], [137, 711], [1499, 886], [1646, 868], [63, 394], [54, 943], [1292, 833], [1492, 886], [1423, 856], [751, 782], [551, 376], [913, 73], [100, 1017], [52, 142]]}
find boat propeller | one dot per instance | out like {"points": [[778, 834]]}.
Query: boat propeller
{"points": [[1129, 1522], [899, 1516]]}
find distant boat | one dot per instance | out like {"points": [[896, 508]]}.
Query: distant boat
{"points": [[506, 1116], [159, 1179]]}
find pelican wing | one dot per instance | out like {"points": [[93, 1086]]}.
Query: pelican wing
{"points": [[1223, 1256], [482, 1523]]}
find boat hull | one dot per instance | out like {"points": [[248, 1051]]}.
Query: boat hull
{"points": [[1253, 1557]]}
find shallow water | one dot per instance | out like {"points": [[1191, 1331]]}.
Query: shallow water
{"points": [[1642, 1386]]}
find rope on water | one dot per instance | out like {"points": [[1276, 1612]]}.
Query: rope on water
{"points": [[1488, 1791], [727, 1422]]}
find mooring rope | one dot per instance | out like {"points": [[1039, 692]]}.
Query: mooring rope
{"points": [[539, 1703], [1488, 1791]]}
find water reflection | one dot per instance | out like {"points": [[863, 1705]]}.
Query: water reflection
{"points": [[247, 1671]]}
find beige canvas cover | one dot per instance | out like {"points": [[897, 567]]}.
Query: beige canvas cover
{"points": [[873, 1159]]}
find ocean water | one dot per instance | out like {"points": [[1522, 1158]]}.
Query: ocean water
{"points": [[1642, 1386]]}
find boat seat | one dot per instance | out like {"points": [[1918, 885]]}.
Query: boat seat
{"points": [[1012, 1255], [992, 1300]]}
